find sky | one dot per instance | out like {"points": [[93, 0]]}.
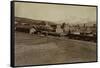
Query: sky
{"points": [[56, 13]]}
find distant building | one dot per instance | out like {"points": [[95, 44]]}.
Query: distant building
{"points": [[58, 29], [32, 30]]}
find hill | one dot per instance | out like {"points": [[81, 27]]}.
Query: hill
{"points": [[32, 21]]}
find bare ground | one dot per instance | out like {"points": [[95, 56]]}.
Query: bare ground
{"points": [[35, 50]]}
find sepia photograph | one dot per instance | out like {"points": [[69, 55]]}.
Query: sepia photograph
{"points": [[53, 33]]}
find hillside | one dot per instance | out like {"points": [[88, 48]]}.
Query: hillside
{"points": [[32, 21]]}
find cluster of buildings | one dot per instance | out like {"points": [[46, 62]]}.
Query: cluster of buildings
{"points": [[81, 29], [75, 31], [61, 28]]}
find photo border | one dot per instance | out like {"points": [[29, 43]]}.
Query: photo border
{"points": [[12, 33]]}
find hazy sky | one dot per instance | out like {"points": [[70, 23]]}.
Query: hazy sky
{"points": [[54, 12]]}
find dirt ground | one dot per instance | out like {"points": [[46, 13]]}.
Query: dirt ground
{"points": [[36, 50]]}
